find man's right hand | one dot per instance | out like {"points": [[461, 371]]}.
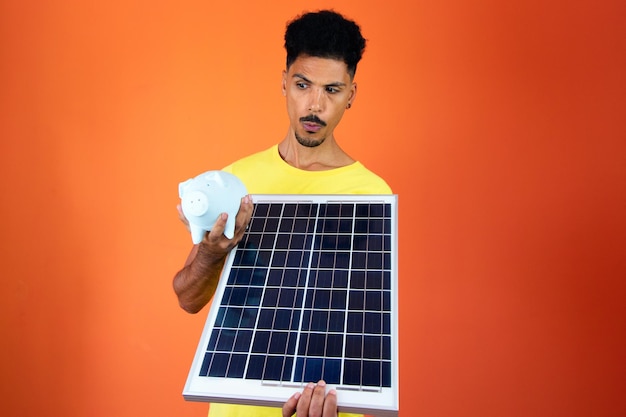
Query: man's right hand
{"points": [[216, 241], [196, 282]]}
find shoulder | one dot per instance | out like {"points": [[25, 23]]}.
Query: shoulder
{"points": [[266, 156], [371, 182]]}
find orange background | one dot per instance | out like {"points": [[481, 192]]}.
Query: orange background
{"points": [[500, 125]]}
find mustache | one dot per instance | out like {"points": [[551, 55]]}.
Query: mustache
{"points": [[313, 119]]}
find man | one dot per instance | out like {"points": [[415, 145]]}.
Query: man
{"points": [[323, 50]]}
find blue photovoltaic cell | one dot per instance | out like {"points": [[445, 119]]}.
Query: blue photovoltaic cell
{"points": [[308, 297]]}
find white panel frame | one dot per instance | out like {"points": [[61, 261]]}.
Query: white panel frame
{"points": [[381, 402]]}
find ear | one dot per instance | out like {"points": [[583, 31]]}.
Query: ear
{"points": [[352, 95], [284, 83]]}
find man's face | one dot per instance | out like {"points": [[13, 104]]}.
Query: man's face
{"points": [[318, 91]]}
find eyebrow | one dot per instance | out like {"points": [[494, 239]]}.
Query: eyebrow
{"points": [[335, 84]]}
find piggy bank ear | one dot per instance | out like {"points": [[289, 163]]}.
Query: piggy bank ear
{"points": [[182, 186]]}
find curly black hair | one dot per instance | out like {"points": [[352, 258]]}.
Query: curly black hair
{"points": [[325, 34]]}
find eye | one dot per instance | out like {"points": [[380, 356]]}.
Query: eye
{"points": [[332, 90], [301, 85]]}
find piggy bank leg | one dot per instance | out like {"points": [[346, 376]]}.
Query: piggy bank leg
{"points": [[197, 234]]}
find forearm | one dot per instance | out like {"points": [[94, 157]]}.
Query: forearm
{"points": [[196, 282]]}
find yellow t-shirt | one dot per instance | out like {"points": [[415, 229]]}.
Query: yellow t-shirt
{"points": [[232, 410], [267, 173]]}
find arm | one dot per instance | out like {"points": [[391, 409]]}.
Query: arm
{"points": [[196, 282]]}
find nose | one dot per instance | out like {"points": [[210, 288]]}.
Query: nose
{"points": [[316, 100]]}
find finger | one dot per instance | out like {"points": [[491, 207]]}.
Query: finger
{"points": [[215, 235], [317, 400], [305, 400], [243, 219], [289, 408], [182, 217], [330, 404], [245, 212]]}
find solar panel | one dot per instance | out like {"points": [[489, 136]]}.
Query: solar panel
{"points": [[309, 293]]}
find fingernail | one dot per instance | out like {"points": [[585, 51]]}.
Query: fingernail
{"points": [[321, 383], [297, 395], [310, 385], [332, 392]]}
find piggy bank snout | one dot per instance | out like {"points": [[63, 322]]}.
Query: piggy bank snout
{"points": [[195, 203], [205, 197]]}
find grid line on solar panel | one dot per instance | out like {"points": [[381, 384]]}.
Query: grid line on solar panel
{"points": [[330, 320]]}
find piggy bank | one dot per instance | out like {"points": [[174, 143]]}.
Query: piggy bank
{"points": [[208, 195]]}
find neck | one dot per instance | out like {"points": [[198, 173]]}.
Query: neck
{"points": [[327, 155]]}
